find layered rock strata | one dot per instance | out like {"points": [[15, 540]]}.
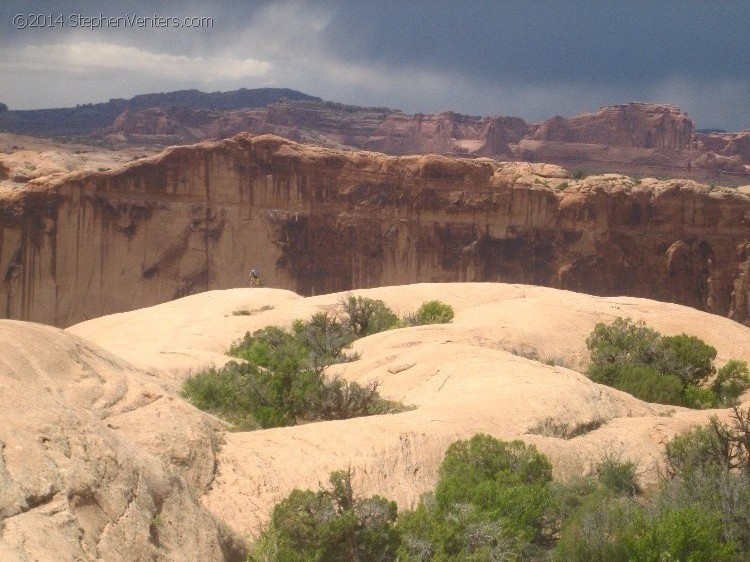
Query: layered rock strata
{"points": [[316, 220]]}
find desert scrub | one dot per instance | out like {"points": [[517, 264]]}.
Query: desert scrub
{"points": [[551, 427], [281, 378], [493, 501], [496, 500], [332, 523], [364, 316], [224, 393], [675, 370], [431, 312]]}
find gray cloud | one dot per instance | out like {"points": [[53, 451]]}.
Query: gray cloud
{"points": [[527, 58]]}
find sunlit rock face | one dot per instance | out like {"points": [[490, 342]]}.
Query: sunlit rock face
{"points": [[318, 220]]}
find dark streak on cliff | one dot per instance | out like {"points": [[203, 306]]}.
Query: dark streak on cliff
{"points": [[318, 221]]}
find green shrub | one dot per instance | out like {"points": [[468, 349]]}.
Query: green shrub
{"points": [[282, 379], [224, 392], [688, 533], [467, 464], [493, 500], [331, 524], [731, 381], [670, 526], [665, 369], [697, 449], [686, 357], [364, 316], [645, 383], [434, 312], [620, 477], [713, 491], [700, 398], [717, 446], [709, 467], [623, 343], [604, 374]]}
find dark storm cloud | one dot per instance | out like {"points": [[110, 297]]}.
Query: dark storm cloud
{"points": [[593, 41], [528, 58]]}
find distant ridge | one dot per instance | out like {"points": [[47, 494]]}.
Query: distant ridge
{"points": [[235, 99], [633, 138], [83, 119]]}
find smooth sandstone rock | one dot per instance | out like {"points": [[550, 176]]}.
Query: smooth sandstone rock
{"points": [[469, 376], [96, 461]]}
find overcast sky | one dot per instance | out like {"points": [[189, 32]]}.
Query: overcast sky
{"points": [[526, 58]]}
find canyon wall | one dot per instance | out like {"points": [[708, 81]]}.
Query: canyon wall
{"points": [[644, 125], [318, 220]]}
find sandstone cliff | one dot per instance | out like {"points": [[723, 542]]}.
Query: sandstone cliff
{"points": [[317, 220], [735, 146], [631, 135], [643, 125]]}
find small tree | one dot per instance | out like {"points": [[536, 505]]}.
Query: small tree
{"points": [[731, 381], [623, 343], [324, 339], [331, 524], [665, 369], [364, 316], [687, 357], [434, 312], [492, 501]]}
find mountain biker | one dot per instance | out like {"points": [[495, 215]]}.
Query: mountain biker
{"points": [[254, 278]]}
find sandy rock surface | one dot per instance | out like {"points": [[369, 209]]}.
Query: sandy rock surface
{"points": [[97, 462], [30, 159], [466, 377]]}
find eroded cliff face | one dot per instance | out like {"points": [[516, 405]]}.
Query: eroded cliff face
{"points": [[640, 138], [317, 221], [643, 125]]}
